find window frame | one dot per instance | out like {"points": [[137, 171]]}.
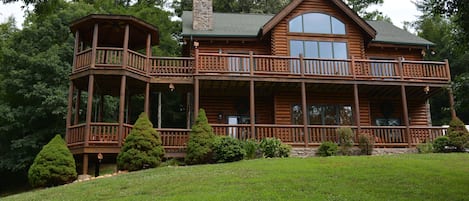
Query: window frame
{"points": [[331, 27]]}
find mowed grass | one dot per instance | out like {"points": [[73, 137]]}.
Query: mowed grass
{"points": [[398, 177]]}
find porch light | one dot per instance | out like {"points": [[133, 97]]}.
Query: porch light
{"points": [[220, 116], [426, 89], [171, 87]]}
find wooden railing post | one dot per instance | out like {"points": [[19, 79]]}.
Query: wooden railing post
{"points": [[125, 52], [401, 67], [406, 115], [89, 108], [357, 108], [352, 68], [148, 62], [251, 63], [196, 65], [302, 65], [121, 109], [305, 112], [94, 45], [75, 51], [252, 108]]}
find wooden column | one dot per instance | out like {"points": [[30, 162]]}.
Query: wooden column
{"points": [[302, 65], [75, 50], [305, 113], [196, 97], [125, 55], [251, 63], [357, 108], [77, 108], [147, 99], [252, 108], [89, 107], [406, 115], [69, 111], [401, 68], [94, 45], [148, 62], [85, 164], [121, 108], [451, 103], [159, 109], [188, 110]]}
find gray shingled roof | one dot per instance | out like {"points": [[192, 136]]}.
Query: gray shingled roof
{"points": [[227, 25], [388, 33], [248, 25]]}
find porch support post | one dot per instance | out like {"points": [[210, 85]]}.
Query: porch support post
{"points": [[75, 51], [77, 108], [196, 97], [159, 109], [451, 103], [357, 109], [89, 108], [148, 51], [252, 108], [406, 115], [69, 111], [147, 99], [305, 113], [85, 164], [121, 109], [94, 45], [126, 47], [188, 110]]}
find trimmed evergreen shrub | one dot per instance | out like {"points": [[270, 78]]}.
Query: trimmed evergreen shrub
{"points": [[201, 141], [366, 144], [440, 143], [346, 140], [252, 149], [425, 148], [272, 147], [457, 134], [228, 149], [54, 165], [327, 149], [142, 148]]}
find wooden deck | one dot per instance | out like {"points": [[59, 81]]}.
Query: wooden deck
{"points": [[107, 135], [262, 66]]}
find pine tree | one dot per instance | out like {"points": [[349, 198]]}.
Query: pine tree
{"points": [[54, 165], [143, 147], [201, 141]]}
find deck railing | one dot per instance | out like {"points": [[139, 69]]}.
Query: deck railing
{"points": [[176, 139], [264, 65]]}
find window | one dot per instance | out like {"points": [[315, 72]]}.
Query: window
{"points": [[330, 115], [318, 49], [316, 23]]}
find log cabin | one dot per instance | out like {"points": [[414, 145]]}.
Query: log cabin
{"points": [[297, 75]]}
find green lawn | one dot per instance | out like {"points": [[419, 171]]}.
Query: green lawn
{"points": [[399, 177]]}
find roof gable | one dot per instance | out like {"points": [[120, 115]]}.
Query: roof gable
{"points": [[339, 3]]}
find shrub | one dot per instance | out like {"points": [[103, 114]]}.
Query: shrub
{"points": [[366, 144], [54, 165], [440, 144], [252, 149], [327, 149], [201, 141], [272, 147], [425, 148], [142, 147], [228, 149], [457, 134], [346, 140]]}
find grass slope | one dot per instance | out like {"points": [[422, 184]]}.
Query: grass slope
{"points": [[399, 177]]}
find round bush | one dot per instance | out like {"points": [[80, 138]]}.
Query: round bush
{"points": [[327, 149], [272, 147], [54, 165], [346, 140], [440, 143], [457, 134], [142, 148], [201, 141], [228, 149], [252, 149]]}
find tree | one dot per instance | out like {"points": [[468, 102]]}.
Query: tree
{"points": [[458, 134], [54, 165], [143, 147], [201, 141], [360, 6]]}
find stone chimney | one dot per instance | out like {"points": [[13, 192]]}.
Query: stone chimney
{"points": [[202, 15]]}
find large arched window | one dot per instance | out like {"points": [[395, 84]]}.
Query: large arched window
{"points": [[318, 23]]}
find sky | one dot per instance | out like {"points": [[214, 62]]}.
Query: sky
{"points": [[398, 10]]}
